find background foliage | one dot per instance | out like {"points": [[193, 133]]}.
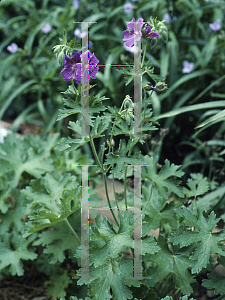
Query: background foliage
{"points": [[190, 113]]}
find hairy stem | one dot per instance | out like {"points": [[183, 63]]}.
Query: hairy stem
{"points": [[73, 231], [107, 196]]}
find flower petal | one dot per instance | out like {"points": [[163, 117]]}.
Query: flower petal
{"points": [[130, 42], [94, 72], [84, 56], [76, 56], [94, 60], [68, 63], [77, 74], [67, 74], [155, 34], [127, 35]]}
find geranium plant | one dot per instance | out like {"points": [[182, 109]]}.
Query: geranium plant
{"points": [[159, 266]]}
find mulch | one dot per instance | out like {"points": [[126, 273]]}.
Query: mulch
{"points": [[30, 286]]}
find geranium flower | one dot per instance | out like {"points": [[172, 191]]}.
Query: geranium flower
{"points": [[12, 48], [128, 8], [148, 32], [79, 34], [76, 4], [187, 66], [167, 18], [46, 28], [73, 67], [91, 66], [215, 26], [133, 34]]}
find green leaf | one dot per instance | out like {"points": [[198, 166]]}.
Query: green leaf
{"points": [[207, 242], [198, 186], [215, 282], [53, 199], [166, 179], [176, 264], [13, 217], [30, 155], [110, 275], [157, 211], [57, 242], [121, 159], [106, 243], [57, 284], [13, 257]]}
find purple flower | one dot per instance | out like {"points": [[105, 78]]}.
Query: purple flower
{"points": [[167, 18], [89, 66], [187, 66], [148, 32], [128, 8], [12, 48], [79, 34], [216, 25], [133, 33], [133, 0], [76, 4], [46, 28], [73, 67]]}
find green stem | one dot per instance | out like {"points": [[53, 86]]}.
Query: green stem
{"points": [[107, 196], [143, 59], [115, 193], [74, 233], [94, 151], [125, 182]]}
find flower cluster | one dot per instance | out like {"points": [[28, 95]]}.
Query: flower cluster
{"points": [[81, 65], [73, 67], [134, 32]]}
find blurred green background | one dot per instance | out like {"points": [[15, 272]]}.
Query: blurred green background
{"points": [[30, 80]]}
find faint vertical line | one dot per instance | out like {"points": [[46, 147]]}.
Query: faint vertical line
{"points": [[137, 87], [138, 231], [84, 86], [84, 225]]}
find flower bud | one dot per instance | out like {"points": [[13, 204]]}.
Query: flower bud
{"points": [[128, 119], [164, 35], [153, 42], [160, 86], [144, 32], [61, 57], [148, 87]]}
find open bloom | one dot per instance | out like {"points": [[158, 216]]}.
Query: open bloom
{"points": [[12, 48], [167, 18], [89, 66], [133, 33], [73, 67], [148, 32], [128, 8], [187, 66], [216, 25], [79, 34], [46, 28], [76, 4]]}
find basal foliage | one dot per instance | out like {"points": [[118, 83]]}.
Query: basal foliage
{"points": [[40, 204]]}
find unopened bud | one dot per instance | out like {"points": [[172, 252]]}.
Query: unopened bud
{"points": [[164, 35], [148, 87], [112, 142], [128, 119], [161, 85], [61, 57]]}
